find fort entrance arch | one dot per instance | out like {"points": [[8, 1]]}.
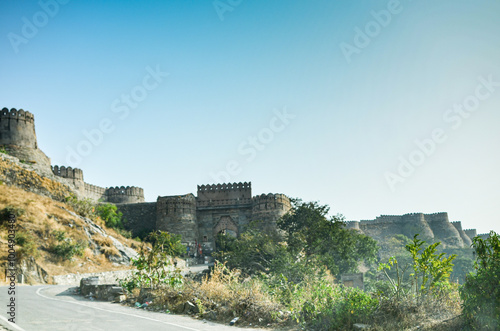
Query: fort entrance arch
{"points": [[226, 225]]}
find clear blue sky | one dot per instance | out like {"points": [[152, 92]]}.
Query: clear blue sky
{"points": [[357, 82]]}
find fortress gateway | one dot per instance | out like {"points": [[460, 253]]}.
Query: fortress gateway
{"points": [[216, 208]]}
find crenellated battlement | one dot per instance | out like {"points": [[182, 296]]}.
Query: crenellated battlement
{"points": [[20, 114], [471, 233], [271, 201], [122, 194], [224, 194], [17, 128], [122, 190], [224, 187], [67, 172], [177, 204]]}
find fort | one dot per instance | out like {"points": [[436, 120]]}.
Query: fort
{"points": [[216, 208]]}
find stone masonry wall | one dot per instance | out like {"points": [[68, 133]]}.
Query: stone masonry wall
{"points": [[140, 217]]}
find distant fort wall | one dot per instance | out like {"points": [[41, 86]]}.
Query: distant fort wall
{"points": [[429, 227], [471, 233]]}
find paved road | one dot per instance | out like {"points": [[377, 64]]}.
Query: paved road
{"points": [[41, 308]]}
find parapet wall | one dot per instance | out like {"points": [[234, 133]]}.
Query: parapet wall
{"points": [[471, 233], [95, 192], [68, 172], [224, 194], [129, 194], [271, 202]]}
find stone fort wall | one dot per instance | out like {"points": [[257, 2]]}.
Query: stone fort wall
{"points": [[216, 208], [429, 227], [18, 137]]}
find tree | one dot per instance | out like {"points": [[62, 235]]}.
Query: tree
{"points": [[155, 266], [481, 291], [431, 269], [325, 240], [253, 252], [110, 214]]}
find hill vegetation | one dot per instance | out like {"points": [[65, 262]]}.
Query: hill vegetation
{"points": [[53, 237]]}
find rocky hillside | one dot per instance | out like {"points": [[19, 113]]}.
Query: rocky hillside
{"points": [[51, 238]]}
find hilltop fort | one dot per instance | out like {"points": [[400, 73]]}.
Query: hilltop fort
{"points": [[216, 208]]}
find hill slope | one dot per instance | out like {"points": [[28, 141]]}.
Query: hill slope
{"points": [[53, 240]]}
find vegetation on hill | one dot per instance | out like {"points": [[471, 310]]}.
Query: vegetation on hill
{"points": [[50, 235]]}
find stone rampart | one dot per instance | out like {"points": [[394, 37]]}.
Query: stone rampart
{"points": [[129, 194], [177, 214], [67, 172], [471, 233], [224, 194], [140, 217], [95, 192]]}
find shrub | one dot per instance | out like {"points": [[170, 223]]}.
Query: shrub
{"points": [[481, 291], [110, 215], [66, 248], [431, 270], [83, 207], [27, 245], [327, 306], [155, 266], [10, 210]]}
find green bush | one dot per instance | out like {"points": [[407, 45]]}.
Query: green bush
{"points": [[431, 270], [481, 291], [333, 307], [66, 248], [110, 215], [155, 266], [27, 245], [10, 210]]}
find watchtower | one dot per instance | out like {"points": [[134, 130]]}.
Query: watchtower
{"points": [[17, 136]]}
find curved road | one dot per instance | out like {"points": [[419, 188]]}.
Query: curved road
{"points": [[58, 308]]}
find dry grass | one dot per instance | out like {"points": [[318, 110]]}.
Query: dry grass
{"points": [[428, 314], [102, 241], [42, 216], [224, 296]]}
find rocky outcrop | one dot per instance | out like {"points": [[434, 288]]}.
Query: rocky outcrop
{"points": [[92, 229]]}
